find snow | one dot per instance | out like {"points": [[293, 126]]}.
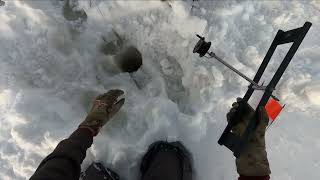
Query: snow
{"points": [[51, 69]]}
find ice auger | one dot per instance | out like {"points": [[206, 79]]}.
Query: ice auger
{"points": [[295, 36]]}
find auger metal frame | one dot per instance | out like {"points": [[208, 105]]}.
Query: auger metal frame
{"points": [[235, 143]]}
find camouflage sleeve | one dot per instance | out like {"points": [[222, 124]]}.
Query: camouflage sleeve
{"points": [[64, 162]]}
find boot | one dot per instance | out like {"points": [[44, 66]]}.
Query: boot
{"points": [[164, 160]]}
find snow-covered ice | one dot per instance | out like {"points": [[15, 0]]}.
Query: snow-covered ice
{"points": [[51, 69]]}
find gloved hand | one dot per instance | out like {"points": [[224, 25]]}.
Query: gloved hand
{"points": [[103, 109], [253, 160]]}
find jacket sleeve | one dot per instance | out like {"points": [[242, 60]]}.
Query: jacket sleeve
{"points": [[254, 177], [64, 162]]}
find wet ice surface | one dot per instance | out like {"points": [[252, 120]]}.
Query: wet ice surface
{"points": [[51, 69]]}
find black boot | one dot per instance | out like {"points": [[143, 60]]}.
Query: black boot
{"points": [[166, 161]]}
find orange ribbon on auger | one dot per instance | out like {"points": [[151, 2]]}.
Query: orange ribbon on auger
{"points": [[273, 109]]}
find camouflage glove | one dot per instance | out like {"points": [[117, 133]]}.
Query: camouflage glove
{"points": [[103, 109], [253, 160]]}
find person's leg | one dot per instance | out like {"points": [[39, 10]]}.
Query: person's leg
{"points": [[170, 161]]}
